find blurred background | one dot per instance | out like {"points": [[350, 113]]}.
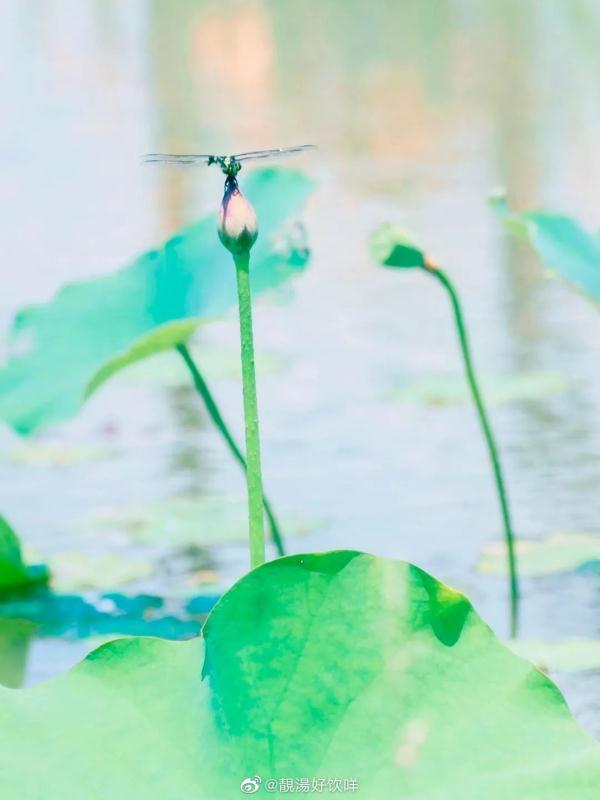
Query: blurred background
{"points": [[369, 441]]}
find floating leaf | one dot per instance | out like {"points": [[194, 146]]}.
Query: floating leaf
{"points": [[561, 243], [453, 389], [568, 655], [74, 616], [57, 454], [78, 570], [91, 329], [202, 604], [215, 363], [14, 573], [189, 520], [393, 247], [562, 552], [334, 666]]}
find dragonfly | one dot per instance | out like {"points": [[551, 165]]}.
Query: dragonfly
{"points": [[230, 165]]}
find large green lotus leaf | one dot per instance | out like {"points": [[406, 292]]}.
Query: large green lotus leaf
{"points": [[561, 243], [561, 552], [15, 575], [163, 338], [333, 666], [91, 329]]}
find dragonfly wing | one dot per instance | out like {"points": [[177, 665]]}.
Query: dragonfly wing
{"points": [[184, 158], [275, 153]]}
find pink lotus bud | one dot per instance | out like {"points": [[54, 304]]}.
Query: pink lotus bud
{"points": [[238, 227]]}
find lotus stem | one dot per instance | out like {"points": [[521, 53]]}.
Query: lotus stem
{"points": [[253, 472], [490, 442], [216, 416]]}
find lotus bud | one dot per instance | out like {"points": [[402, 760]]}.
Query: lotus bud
{"points": [[238, 227]]}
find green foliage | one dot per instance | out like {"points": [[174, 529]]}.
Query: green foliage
{"points": [[393, 247], [561, 243], [332, 665], [91, 329], [15, 575], [562, 552]]}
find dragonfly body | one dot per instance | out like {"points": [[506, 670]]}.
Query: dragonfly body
{"points": [[230, 165]]}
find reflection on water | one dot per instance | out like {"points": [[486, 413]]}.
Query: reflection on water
{"points": [[419, 110], [15, 638]]}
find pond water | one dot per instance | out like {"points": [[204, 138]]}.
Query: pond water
{"points": [[419, 110]]}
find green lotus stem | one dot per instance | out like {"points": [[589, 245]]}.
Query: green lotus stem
{"points": [[253, 472], [238, 229], [490, 441], [215, 415]]}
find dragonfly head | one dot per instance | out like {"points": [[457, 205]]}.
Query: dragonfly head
{"points": [[229, 165]]}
